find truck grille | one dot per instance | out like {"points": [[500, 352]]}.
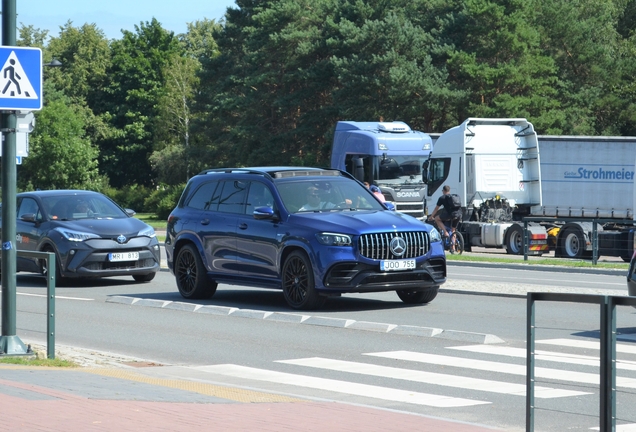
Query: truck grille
{"points": [[415, 209], [377, 246]]}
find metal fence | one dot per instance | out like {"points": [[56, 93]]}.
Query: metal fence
{"points": [[607, 376], [50, 296]]}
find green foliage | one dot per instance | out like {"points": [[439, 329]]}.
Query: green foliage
{"points": [[164, 199], [267, 84], [136, 83], [60, 155], [131, 196]]}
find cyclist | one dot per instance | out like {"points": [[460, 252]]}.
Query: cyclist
{"points": [[446, 211]]}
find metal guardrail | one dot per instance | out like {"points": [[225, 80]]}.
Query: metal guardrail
{"points": [[607, 378], [50, 296], [595, 222]]}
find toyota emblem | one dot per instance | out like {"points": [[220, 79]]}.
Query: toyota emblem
{"points": [[398, 246], [121, 239]]}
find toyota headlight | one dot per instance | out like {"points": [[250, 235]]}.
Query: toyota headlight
{"points": [[435, 235], [147, 232], [333, 239], [76, 236]]}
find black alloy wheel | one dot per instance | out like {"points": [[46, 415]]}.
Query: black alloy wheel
{"points": [[191, 276], [298, 283]]}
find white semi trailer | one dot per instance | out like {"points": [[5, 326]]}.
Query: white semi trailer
{"points": [[504, 172]]}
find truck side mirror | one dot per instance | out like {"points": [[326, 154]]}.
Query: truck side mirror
{"points": [[425, 172], [359, 169]]}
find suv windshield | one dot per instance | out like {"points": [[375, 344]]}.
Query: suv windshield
{"points": [[70, 207], [326, 195]]}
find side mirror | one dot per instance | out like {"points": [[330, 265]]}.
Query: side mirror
{"points": [[130, 212], [263, 213], [389, 206], [28, 217]]}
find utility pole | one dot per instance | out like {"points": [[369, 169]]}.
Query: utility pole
{"points": [[10, 343]]}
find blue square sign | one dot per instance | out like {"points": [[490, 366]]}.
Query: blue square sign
{"points": [[20, 78]]}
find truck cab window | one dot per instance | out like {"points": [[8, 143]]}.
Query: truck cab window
{"points": [[437, 173]]}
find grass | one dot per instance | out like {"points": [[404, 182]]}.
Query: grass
{"points": [[28, 361], [541, 261], [152, 220]]}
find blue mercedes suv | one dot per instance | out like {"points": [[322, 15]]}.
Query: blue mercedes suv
{"points": [[312, 232]]}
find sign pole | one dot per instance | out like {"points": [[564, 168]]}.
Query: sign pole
{"points": [[10, 343]]}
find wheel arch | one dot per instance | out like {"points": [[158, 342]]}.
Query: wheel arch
{"points": [[185, 240], [584, 228]]}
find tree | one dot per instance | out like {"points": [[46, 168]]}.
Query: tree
{"points": [[267, 97], [172, 159], [60, 155], [130, 102], [85, 55], [498, 62], [385, 67], [581, 38]]}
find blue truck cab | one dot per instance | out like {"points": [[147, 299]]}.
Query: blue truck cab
{"points": [[389, 155]]}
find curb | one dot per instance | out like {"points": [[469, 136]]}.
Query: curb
{"points": [[536, 267], [407, 330]]}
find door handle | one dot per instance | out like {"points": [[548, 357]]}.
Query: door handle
{"points": [[205, 221], [243, 226]]}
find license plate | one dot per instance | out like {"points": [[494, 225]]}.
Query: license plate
{"points": [[123, 256], [396, 265]]}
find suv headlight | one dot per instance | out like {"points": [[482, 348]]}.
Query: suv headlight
{"points": [[147, 232], [76, 236], [333, 239], [435, 235]]}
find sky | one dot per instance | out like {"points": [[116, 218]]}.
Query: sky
{"points": [[111, 16]]}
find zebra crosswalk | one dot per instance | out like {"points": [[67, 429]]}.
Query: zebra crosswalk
{"points": [[448, 379]]}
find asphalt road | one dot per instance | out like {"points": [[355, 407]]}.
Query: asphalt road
{"points": [[248, 337]]}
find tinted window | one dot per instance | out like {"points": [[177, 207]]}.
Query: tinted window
{"points": [[258, 196], [233, 197], [64, 207], [202, 198], [331, 194], [29, 206]]}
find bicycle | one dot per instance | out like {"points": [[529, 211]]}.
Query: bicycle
{"points": [[453, 241]]}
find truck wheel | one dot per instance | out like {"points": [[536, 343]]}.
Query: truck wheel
{"points": [[514, 240], [573, 244]]}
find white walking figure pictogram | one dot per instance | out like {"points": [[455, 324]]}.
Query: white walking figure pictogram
{"points": [[13, 78]]}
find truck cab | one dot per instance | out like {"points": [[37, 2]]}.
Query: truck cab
{"points": [[389, 155], [493, 165]]}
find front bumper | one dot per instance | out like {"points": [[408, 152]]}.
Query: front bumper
{"points": [[89, 259], [358, 277]]}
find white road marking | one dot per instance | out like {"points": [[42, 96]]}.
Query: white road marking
{"points": [[596, 345], [543, 355], [621, 428], [345, 387], [57, 297], [506, 368], [446, 380]]}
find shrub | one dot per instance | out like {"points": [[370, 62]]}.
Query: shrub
{"points": [[162, 200], [132, 197]]}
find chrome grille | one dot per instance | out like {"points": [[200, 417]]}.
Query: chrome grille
{"points": [[376, 246]]}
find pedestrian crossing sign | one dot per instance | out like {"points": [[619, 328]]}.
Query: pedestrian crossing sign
{"points": [[20, 78]]}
